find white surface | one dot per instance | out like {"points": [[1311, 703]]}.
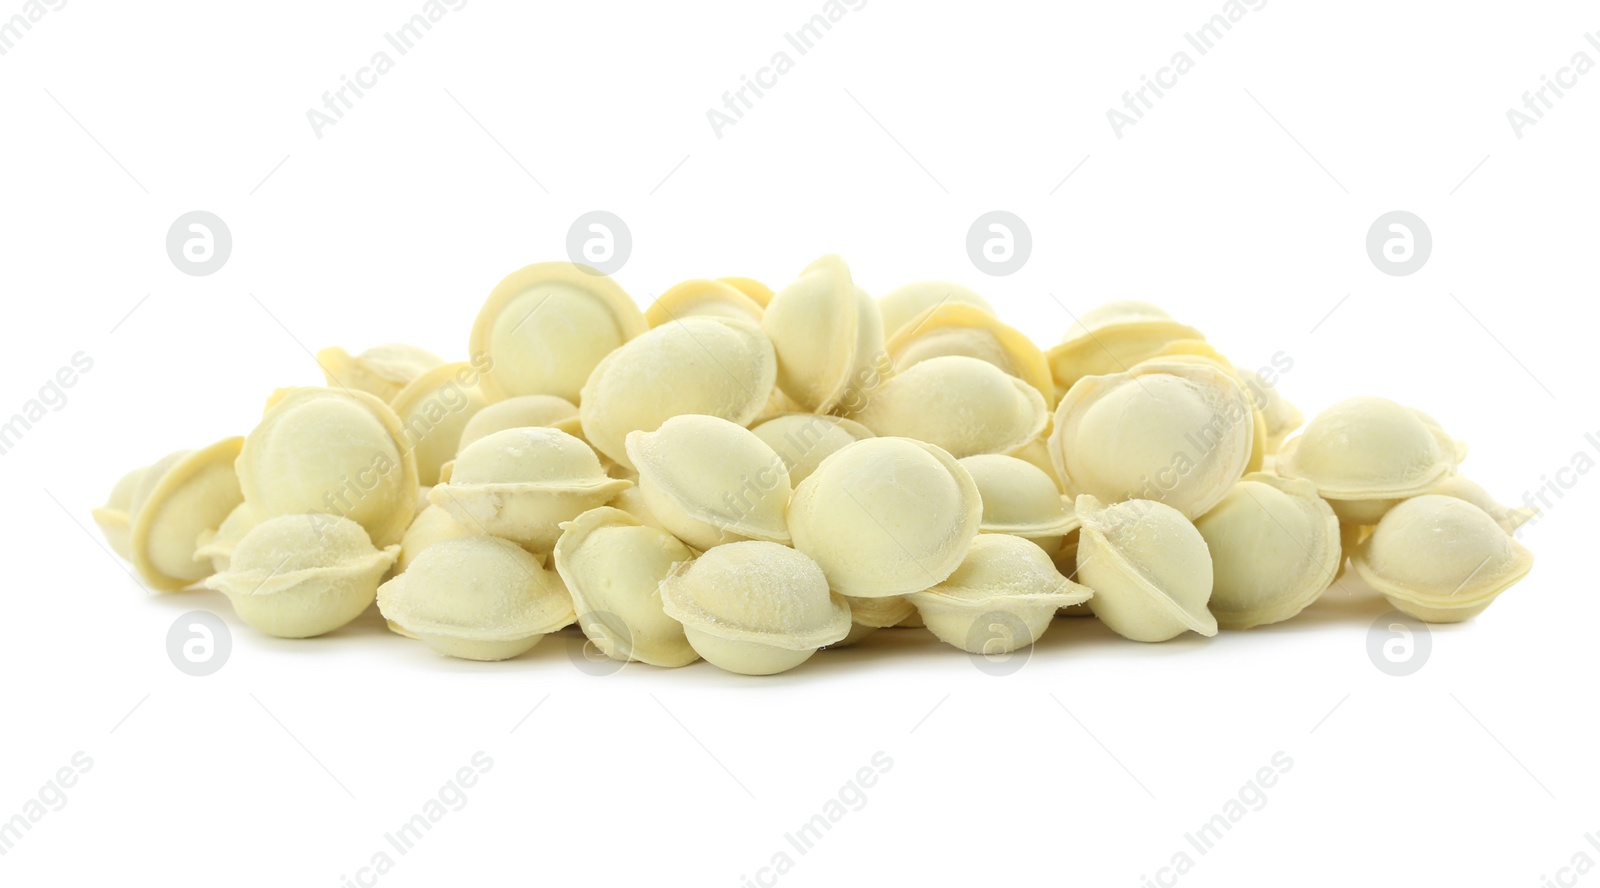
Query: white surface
{"points": [[290, 764]]}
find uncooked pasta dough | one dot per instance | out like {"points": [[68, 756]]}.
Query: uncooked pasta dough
{"points": [[1175, 431], [886, 516], [755, 607], [1440, 559], [716, 366], [296, 576], [748, 477], [478, 598]]}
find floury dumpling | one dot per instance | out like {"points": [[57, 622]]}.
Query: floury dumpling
{"points": [[334, 452], [886, 517], [710, 481], [520, 484], [1149, 568], [296, 576], [699, 365], [1275, 547], [544, 329], [755, 608], [1440, 559], [1175, 431], [477, 598], [1367, 454]]}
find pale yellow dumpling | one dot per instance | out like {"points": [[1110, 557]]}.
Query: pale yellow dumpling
{"points": [[902, 306], [545, 327], [804, 440], [1000, 599], [754, 290], [1111, 338], [524, 411], [381, 371], [961, 329], [1282, 418], [1020, 499], [1037, 453], [1459, 486], [711, 482], [755, 608], [1367, 454], [1148, 566], [296, 576], [478, 598], [701, 297], [335, 452], [1275, 547], [522, 483], [718, 367], [632, 502], [1440, 559], [179, 499], [886, 516], [868, 615], [217, 545], [960, 404], [432, 525], [613, 567], [828, 337], [434, 409], [1200, 350], [114, 518], [1175, 431]]}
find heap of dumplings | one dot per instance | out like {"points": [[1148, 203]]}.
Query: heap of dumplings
{"points": [[748, 477]]}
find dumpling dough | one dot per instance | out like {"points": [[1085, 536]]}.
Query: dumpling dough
{"points": [[719, 367], [1175, 431], [1001, 598], [1440, 559], [1149, 568], [296, 576], [478, 598], [174, 505], [755, 608], [828, 336], [520, 484], [886, 516], [963, 405], [381, 371], [613, 566], [711, 482], [335, 452], [1367, 454], [903, 305], [545, 327], [1274, 549]]}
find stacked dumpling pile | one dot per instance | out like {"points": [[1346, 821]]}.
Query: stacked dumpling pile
{"points": [[747, 477]]}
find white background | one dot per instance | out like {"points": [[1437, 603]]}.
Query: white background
{"points": [[1241, 203]]}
